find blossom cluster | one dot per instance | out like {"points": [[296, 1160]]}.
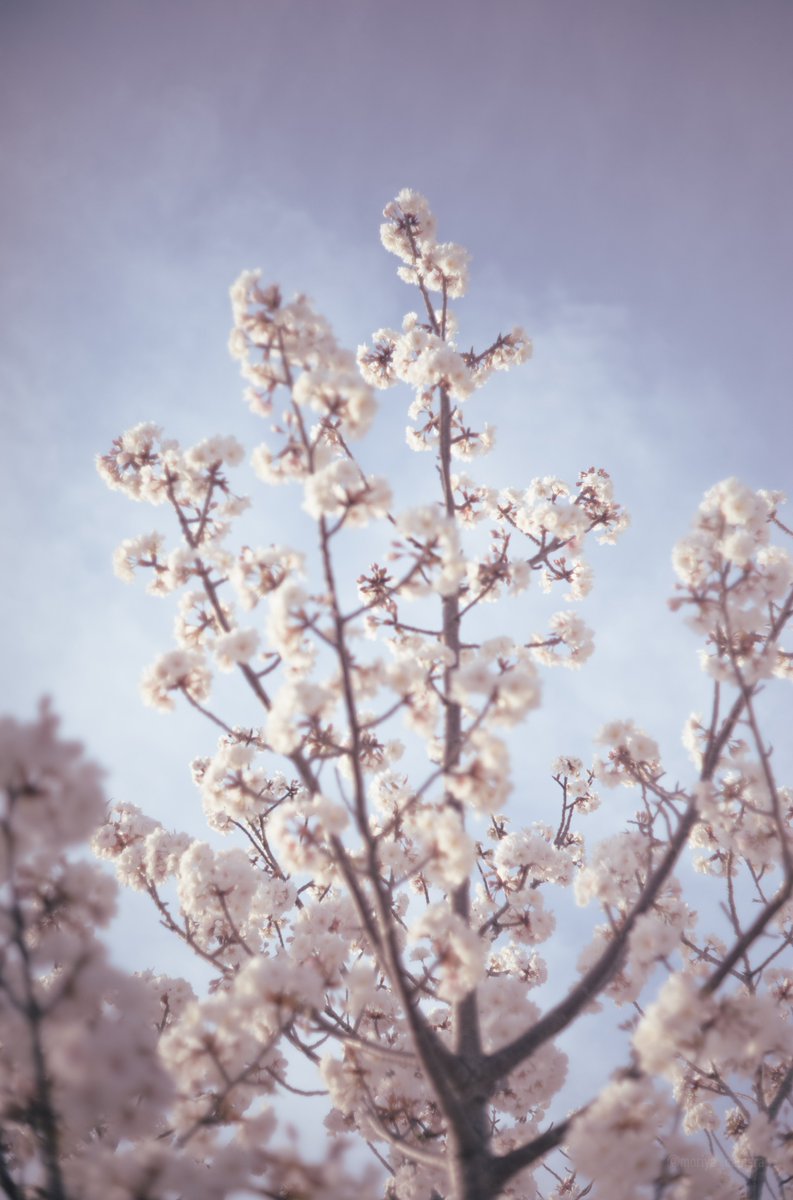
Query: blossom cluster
{"points": [[383, 903], [736, 583]]}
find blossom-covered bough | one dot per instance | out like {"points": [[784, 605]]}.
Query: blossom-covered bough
{"points": [[381, 919]]}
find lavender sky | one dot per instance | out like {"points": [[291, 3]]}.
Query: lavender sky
{"points": [[621, 171]]}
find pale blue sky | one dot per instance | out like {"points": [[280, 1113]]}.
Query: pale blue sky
{"points": [[620, 170]]}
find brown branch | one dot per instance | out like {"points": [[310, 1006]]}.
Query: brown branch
{"points": [[750, 935], [502, 1061], [504, 1167]]}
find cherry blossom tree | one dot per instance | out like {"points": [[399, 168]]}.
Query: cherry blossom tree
{"points": [[379, 912]]}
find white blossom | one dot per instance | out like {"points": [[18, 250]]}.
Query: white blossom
{"points": [[237, 646], [177, 670]]}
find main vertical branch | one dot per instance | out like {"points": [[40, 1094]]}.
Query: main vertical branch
{"points": [[471, 1155], [466, 1023]]}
